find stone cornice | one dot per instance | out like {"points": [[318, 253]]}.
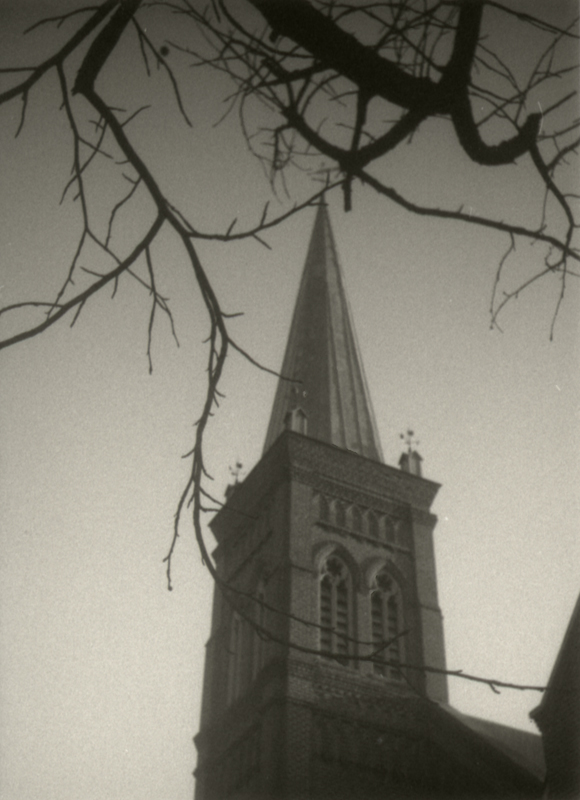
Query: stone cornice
{"points": [[311, 461], [325, 468]]}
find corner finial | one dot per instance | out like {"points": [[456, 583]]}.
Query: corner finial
{"points": [[411, 460], [407, 437], [235, 472]]}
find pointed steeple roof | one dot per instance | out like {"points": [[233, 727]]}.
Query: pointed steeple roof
{"points": [[328, 392]]}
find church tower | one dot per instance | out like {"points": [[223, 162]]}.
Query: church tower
{"points": [[324, 672]]}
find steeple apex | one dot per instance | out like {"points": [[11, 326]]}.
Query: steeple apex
{"points": [[327, 397]]}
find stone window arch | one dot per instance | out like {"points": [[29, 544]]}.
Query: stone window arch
{"points": [[335, 608], [386, 624]]}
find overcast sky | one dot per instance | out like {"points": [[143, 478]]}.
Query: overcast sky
{"points": [[101, 666]]}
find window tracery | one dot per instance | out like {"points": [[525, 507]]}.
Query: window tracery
{"points": [[386, 625], [335, 608]]}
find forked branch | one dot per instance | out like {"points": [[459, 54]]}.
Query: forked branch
{"points": [[328, 94]]}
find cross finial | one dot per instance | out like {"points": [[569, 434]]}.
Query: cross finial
{"points": [[407, 437], [236, 471]]}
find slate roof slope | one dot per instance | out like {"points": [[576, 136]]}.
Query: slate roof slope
{"points": [[523, 747]]}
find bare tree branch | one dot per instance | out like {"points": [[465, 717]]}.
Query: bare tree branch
{"points": [[325, 93], [58, 310]]}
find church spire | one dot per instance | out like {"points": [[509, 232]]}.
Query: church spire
{"points": [[327, 397]]}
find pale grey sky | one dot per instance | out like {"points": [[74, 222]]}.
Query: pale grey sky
{"points": [[101, 667]]}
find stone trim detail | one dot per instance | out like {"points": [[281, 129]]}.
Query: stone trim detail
{"points": [[326, 468], [368, 525], [348, 493], [345, 692], [311, 459]]}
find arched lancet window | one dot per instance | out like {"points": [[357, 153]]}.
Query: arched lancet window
{"points": [[323, 508], [400, 533], [356, 519], [373, 525], [386, 624], [340, 514], [335, 608]]}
